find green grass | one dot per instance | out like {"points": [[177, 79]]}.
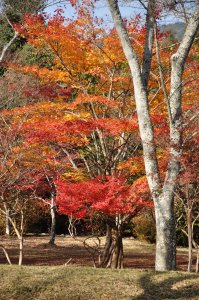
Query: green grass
{"points": [[83, 283]]}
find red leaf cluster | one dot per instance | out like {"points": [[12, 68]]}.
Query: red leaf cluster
{"points": [[110, 195]]}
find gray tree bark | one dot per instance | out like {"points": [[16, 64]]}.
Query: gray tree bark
{"points": [[163, 195], [147, 55], [113, 250], [53, 225], [107, 247]]}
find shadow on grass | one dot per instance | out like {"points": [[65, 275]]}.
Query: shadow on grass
{"points": [[159, 286]]}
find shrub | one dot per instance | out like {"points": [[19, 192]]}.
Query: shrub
{"points": [[144, 226]]}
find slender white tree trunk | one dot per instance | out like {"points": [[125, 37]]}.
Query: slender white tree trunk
{"points": [[7, 222], [7, 46], [197, 260], [20, 250], [190, 241], [6, 254], [21, 240]]}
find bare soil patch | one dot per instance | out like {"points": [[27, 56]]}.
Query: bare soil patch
{"points": [[37, 251]]}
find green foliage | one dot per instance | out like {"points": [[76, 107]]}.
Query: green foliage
{"points": [[32, 56], [6, 34], [14, 10], [36, 217], [144, 226], [181, 238], [20, 7]]}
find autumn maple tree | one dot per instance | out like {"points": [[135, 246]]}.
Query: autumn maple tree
{"points": [[87, 121], [111, 195], [88, 118]]}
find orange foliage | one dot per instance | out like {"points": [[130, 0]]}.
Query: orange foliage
{"points": [[91, 111]]}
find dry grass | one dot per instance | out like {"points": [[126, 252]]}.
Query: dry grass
{"points": [[47, 278], [83, 283]]}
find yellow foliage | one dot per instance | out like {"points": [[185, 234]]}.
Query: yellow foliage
{"points": [[75, 175]]}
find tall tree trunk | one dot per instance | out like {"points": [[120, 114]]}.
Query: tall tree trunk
{"points": [[165, 234], [190, 235], [53, 225], [162, 195]]}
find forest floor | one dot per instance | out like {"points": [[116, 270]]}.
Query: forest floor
{"points": [[72, 251]]}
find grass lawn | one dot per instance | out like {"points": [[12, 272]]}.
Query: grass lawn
{"points": [[45, 275], [75, 282]]}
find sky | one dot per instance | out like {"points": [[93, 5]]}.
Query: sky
{"points": [[102, 10]]}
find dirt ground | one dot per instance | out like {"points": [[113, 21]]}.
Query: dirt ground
{"points": [[37, 251]]}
